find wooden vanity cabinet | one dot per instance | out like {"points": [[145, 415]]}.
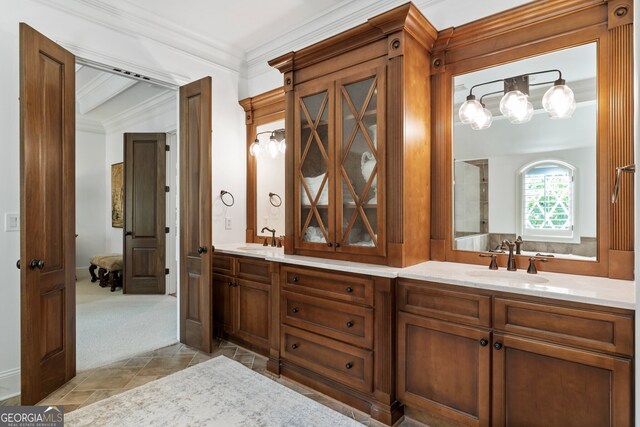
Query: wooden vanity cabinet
{"points": [[241, 300], [480, 358], [357, 111], [336, 336]]}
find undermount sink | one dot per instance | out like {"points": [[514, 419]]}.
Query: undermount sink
{"points": [[508, 277]]}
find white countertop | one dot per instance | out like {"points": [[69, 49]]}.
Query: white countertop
{"points": [[567, 287]]}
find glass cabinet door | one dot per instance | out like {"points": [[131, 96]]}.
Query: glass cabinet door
{"points": [[314, 181], [359, 164]]}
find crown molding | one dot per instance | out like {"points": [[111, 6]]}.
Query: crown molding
{"points": [[152, 107], [99, 90], [134, 21], [84, 124], [342, 17]]}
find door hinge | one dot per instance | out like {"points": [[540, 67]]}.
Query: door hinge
{"points": [[166, 271], [166, 188], [166, 230], [167, 148]]}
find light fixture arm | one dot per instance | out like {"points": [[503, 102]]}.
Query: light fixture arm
{"points": [[515, 77]]}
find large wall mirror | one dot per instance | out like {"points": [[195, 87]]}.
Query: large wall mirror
{"points": [[264, 117], [516, 171], [531, 175]]}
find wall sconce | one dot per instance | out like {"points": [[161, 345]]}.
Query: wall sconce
{"points": [[558, 101], [275, 145]]}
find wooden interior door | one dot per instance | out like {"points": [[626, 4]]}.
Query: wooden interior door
{"points": [[195, 215], [47, 220], [144, 213]]}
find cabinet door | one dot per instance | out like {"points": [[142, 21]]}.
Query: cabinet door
{"points": [[360, 132], [540, 384], [252, 311], [313, 183], [222, 294], [444, 368]]}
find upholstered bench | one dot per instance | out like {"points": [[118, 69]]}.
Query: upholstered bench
{"points": [[110, 270]]}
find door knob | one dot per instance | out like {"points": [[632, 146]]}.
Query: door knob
{"points": [[18, 264], [128, 233], [36, 263], [202, 250]]}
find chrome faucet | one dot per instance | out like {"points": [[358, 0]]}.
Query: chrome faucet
{"points": [[273, 235], [511, 262]]}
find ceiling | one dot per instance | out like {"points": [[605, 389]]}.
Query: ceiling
{"points": [[245, 32]]}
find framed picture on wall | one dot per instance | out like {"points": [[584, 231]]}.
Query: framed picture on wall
{"points": [[117, 195]]}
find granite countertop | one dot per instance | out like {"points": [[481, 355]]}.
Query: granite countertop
{"points": [[566, 287]]}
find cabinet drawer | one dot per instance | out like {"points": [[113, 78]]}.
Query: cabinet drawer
{"points": [[345, 322], [332, 359], [253, 269], [431, 300], [222, 264], [338, 286], [595, 330]]}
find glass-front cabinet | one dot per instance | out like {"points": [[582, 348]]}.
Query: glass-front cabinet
{"points": [[340, 164]]}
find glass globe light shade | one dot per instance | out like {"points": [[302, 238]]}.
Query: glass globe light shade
{"points": [[559, 101], [469, 109], [522, 116], [513, 103], [282, 146], [482, 120], [254, 148], [272, 147]]}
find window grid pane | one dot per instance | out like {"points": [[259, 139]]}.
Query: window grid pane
{"points": [[547, 199]]}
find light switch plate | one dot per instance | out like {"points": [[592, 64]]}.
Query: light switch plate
{"points": [[227, 223], [11, 222]]}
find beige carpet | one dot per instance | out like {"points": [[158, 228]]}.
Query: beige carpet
{"points": [[111, 326], [219, 392]]}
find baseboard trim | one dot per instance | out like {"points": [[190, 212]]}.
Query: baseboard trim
{"points": [[9, 383]]}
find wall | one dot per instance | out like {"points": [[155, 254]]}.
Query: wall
{"points": [[91, 192], [87, 39], [503, 182]]}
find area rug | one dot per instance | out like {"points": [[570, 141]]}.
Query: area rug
{"points": [[111, 326], [218, 392]]}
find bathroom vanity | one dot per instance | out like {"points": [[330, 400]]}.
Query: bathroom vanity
{"points": [[382, 297]]}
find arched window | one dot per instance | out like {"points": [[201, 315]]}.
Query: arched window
{"points": [[547, 202]]}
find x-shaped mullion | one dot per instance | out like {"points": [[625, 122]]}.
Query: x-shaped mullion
{"points": [[313, 125], [358, 115]]}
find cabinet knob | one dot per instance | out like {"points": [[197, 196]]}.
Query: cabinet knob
{"points": [[497, 346], [349, 324], [202, 250], [230, 283], [484, 342], [349, 365], [294, 346], [337, 244], [349, 289], [330, 244], [295, 279], [18, 264], [295, 309]]}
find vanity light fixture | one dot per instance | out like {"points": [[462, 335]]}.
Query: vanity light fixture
{"points": [[558, 101], [275, 145]]}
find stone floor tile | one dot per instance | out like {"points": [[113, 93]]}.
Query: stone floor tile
{"points": [[76, 397], [137, 362], [139, 380], [107, 379]]}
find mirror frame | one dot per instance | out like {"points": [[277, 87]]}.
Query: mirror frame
{"points": [[259, 110], [530, 30]]}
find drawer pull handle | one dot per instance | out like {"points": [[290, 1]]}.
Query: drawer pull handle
{"points": [[294, 346], [497, 346], [484, 342], [349, 324], [349, 289], [295, 279], [349, 365], [295, 309]]}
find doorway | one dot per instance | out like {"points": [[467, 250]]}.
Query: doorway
{"points": [[111, 106]]}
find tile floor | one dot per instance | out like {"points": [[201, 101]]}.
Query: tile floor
{"points": [[96, 384]]}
